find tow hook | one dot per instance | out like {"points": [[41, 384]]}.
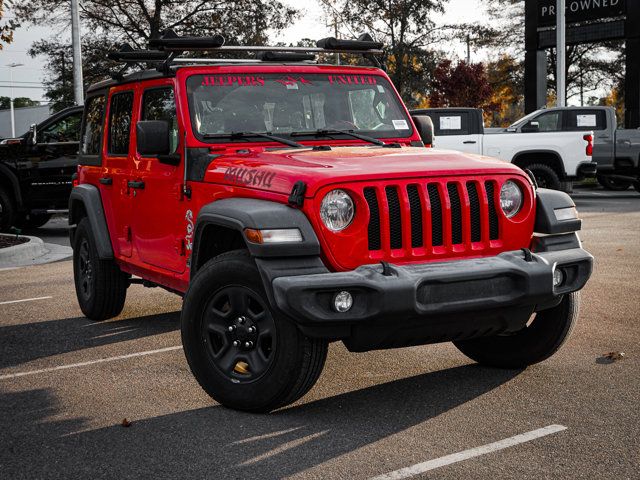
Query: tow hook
{"points": [[527, 255]]}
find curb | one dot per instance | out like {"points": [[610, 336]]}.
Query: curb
{"points": [[33, 252]]}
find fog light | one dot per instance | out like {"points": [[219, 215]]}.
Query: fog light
{"points": [[558, 277], [342, 302]]}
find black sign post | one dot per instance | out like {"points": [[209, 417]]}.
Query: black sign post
{"points": [[587, 21]]}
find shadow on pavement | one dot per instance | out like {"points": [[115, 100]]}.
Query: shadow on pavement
{"points": [[30, 341], [218, 443]]}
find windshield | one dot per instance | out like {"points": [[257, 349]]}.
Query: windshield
{"points": [[282, 104]]}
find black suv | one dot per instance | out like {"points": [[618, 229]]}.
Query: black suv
{"points": [[36, 170]]}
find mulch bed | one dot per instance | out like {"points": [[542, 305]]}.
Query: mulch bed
{"points": [[11, 240]]}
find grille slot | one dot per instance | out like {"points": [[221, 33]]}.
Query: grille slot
{"points": [[395, 217], [494, 232], [456, 213], [374, 220], [436, 215], [474, 205], [416, 216]]}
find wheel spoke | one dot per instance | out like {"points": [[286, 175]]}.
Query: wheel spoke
{"points": [[257, 362], [227, 360], [216, 327], [238, 301]]}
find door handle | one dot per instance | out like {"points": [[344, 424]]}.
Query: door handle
{"points": [[106, 181], [136, 184], [469, 141]]}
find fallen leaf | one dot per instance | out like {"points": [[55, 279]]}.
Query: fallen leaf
{"points": [[125, 423], [619, 250], [611, 357]]}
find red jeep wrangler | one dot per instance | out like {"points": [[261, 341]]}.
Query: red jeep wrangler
{"points": [[293, 204]]}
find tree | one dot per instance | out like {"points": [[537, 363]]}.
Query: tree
{"points": [[112, 22], [462, 85], [18, 102], [6, 28], [506, 78], [407, 30]]}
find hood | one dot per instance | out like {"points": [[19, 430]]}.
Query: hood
{"points": [[279, 170]]}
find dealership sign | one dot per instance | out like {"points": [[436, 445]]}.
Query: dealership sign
{"points": [[580, 10]]}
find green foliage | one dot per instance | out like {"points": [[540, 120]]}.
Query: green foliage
{"points": [[107, 23], [18, 102]]}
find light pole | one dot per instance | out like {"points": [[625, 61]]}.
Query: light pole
{"points": [[78, 89], [561, 79], [13, 118]]}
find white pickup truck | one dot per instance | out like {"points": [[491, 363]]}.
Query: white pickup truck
{"points": [[555, 157]]}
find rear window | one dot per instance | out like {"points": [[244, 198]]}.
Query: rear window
{"points": [[120, 123], [451, 123], [585, 120], [91, 140]]}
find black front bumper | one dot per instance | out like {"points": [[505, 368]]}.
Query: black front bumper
{"points": [[433, 301]]}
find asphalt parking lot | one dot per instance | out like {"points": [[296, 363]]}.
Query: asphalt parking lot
{"points": [[66, 384]]}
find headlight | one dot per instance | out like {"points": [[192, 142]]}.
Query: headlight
{"points": [[510, 198], [336, 210]]}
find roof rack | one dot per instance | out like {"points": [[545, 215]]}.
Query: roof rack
{"points": [[164, 50]]}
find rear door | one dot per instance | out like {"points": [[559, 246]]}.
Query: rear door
{"points": [[159, 207], [116, 194], [455, 131]]}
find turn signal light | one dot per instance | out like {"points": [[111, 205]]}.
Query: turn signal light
{"points": [[278, 235]]}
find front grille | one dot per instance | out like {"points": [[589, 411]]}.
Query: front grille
{"points": [[436, 216]]}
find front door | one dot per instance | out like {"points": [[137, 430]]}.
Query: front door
{"points": [[159, 208], [55, 157]]}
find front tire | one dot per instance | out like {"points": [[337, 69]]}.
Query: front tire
{"points": [[538, 341], [242, 353], [7, 210], [101, 287]]}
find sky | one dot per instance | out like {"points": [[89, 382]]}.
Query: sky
{"points": [[28, 78]]}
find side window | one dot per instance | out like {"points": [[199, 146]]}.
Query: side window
{"points": [[159, 104], [91, 141], [66, 129], [585, 120], [548, 122], [451, 123], [120, 123]]}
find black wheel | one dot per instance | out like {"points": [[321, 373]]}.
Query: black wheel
{"points": [[38, 220], [545, 176], [7, 210], [609, 183], [242, 354], [101, 287], [540, 339]]}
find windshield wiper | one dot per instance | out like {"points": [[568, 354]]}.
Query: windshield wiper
{"points": [[268, 136], [330, 132]]}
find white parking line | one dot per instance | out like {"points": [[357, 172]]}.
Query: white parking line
{"points": [[90, 362], [471, 453], [25, 300]]}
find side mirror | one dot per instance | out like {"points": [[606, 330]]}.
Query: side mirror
{"points": [[531, 127], [152, 138], [425, 128], [34, 134]]}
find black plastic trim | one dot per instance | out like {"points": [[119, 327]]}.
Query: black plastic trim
{"points": [[547, 202], [242, 213], [89, 196]]}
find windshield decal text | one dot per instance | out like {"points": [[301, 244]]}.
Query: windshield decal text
{"points": [[289, 81], [352, 80], [249, 176], [231, 80]]}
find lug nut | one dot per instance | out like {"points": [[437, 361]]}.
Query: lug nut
{"points": [[236, 343], [231, 328], [240, 319], [252, 329], [248, 344]]}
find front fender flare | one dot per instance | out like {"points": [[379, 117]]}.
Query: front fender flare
{"points": [[88, 196]]}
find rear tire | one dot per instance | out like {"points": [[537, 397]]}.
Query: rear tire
{"points": [[7, 210], [538, 341], [226, 303], [546, 177], [609, 183], [101, 287]]}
